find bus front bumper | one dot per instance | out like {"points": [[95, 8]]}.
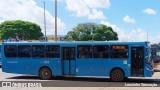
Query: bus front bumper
{"points": [[150, 70]]}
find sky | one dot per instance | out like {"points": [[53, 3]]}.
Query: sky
{"points": [[133, 20]]}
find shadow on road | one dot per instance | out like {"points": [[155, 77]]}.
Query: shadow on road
{"points": [[86, 79]]}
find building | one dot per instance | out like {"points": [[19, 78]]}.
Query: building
{"points": [[51, 38]]}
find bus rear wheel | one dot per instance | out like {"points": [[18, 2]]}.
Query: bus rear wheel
{"points": [[45, 73], [117, 75]]}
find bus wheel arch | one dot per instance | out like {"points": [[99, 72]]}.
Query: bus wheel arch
{"points": [[45, 73], [117, 74]]}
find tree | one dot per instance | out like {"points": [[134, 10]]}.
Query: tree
{"points": [[27, 30], [91, 31]]}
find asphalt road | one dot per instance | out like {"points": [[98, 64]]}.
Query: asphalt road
{"points": [[79, 81]]}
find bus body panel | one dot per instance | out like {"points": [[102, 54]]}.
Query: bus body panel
{"points": [[122, 64], [89, 67], [32, 66], [100, 68]]}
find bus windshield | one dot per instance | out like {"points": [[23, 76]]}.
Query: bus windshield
{"points": [[0, 51], [148, 56], [0, 54]]}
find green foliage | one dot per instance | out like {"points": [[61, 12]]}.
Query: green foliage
{"points": [[91, 31], [28, 30]]}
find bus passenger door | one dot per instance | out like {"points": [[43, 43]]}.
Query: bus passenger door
{"points": [[137, 61], [68, 62]]}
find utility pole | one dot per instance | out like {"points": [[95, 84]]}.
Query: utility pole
{"points": [[45, 20], [55, 38], [147, 35]]}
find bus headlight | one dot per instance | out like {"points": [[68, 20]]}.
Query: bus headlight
{"points": [[151, 70]]}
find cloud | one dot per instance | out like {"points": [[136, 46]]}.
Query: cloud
{"points": [[137, 34], [150, 11], [96, 15], [120, 31], [78, 7], [28, 10], [87, 8], [128, 19], [97, 3], [158, 36]]}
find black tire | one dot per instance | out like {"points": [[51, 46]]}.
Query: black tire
{"points": [[117, 75], [45, 73]]}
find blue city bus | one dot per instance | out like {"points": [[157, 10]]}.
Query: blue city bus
{"points": [[117, 60]]}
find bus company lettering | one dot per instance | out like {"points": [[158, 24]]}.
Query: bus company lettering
{"points": [[141, 85], [26, 84], [21, 84]]}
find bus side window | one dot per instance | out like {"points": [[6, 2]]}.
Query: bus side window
{"points": [[24, 51], [119, 51], [84, 51], [52, 51], [10, 50], [38, 51], [101, 51]]}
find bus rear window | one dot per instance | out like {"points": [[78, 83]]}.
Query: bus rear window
{"points": [[119, 51], [10, 51]]}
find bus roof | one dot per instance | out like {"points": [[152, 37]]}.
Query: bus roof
{"points": [[74, 42]]}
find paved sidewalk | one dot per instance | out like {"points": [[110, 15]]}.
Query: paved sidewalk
{"points": [[86, 88]]}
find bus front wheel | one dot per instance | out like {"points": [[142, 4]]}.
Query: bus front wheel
{"points": [[45, 73], [117, 75]]}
